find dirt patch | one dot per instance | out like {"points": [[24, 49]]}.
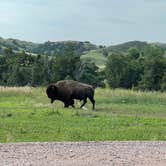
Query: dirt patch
{"points": [[84, 154]]}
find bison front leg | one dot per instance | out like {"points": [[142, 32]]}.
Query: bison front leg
{"points": [[52, 100], [68, 103], [84, 102], [72, 103]]}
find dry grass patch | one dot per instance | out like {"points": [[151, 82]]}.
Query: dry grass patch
{"points": [[24, 89]]}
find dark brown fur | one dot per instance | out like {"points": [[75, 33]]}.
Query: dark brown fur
{"points": [[68, 90]]}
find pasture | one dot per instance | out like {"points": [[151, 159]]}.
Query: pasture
{"points": [[26, 115]]}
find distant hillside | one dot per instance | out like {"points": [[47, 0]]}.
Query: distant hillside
{"points": [[125, 46], [47, 48], [17, 45], [162, 45], [56, 48], [99, 56]]}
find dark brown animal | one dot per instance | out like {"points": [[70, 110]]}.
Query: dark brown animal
{"points": [[68, 90]]}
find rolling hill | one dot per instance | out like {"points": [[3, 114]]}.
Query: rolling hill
{"points": [[125, 46], [85, 49], [47, 48]]}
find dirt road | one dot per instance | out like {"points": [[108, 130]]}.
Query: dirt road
{"points": [[84, 154]]}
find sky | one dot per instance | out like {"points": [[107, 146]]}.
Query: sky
{"points": [[104, 22]]}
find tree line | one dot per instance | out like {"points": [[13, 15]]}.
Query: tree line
{"points": [[21, 68], [145, 70]]}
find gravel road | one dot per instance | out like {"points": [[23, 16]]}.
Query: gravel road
{"points": [[84, 154]]}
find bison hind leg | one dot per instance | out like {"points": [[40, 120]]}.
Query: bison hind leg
{"points": [[84, 102]]}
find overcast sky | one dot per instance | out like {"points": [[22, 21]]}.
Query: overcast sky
{"points": [[98, 21]]}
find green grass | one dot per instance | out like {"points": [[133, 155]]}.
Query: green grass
{"points": [[26, 115]]}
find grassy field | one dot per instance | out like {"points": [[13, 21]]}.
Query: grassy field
{"points": [[27, 115]]}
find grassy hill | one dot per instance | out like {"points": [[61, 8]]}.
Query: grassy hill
{"points": [[125, 46], [56, 48], [95, 56], [162, 45], [17, 45], [47, 48], [99, 56]]}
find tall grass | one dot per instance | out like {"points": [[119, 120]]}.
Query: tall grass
{"points": [[27, 115], [131, 96]]}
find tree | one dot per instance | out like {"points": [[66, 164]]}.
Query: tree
{"points": [[154, 68], [163, 82], [8, 51], [122, 71], [40, 71], [133, 53], [89, 73], [115, 69], [52, 72], [14, 78], [67, 64]]}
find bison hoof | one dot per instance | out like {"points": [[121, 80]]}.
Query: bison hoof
{"points": [[84, 108]]}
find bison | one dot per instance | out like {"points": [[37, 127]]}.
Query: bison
{"points": [[68, 90]]}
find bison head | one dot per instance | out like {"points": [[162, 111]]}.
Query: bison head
{"points": [[51, 92]]}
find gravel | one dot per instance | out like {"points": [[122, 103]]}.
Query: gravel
{"points": [[126, 153]]}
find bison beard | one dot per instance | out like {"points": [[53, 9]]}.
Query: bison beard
{"points": [[68, 90]]}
